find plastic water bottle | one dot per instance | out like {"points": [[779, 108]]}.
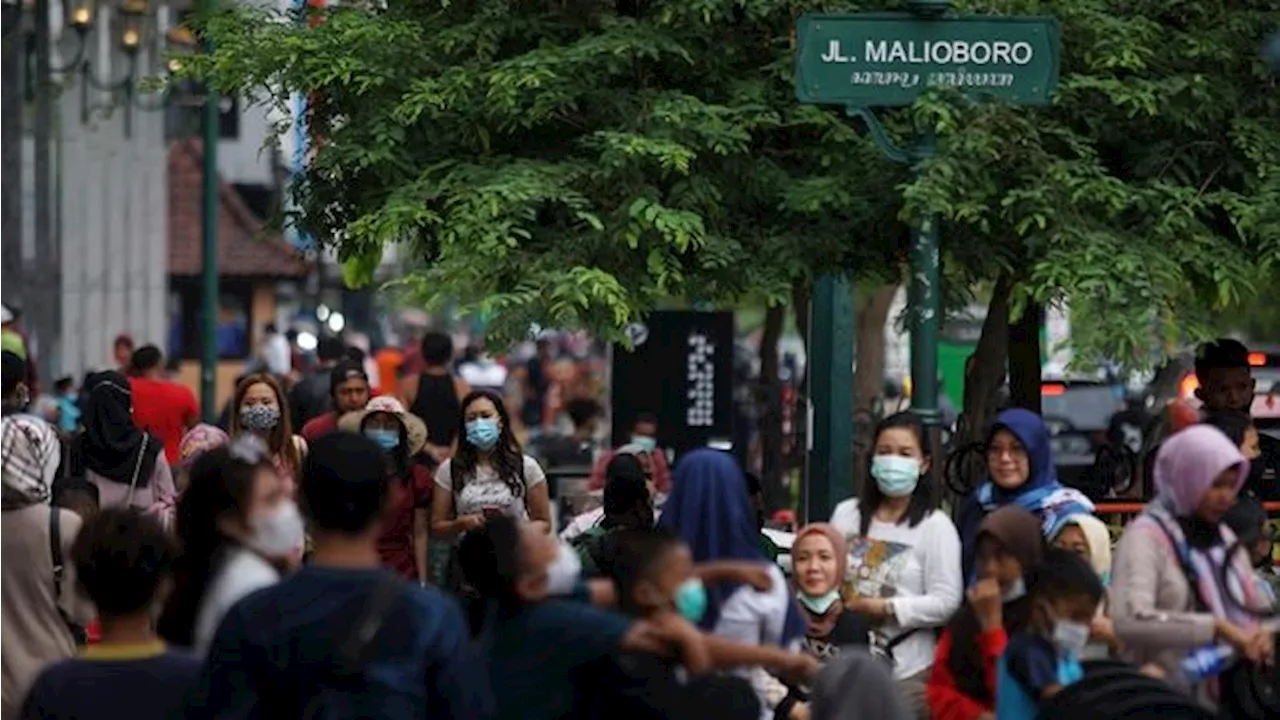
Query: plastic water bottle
{"points": [[1207, 662]]}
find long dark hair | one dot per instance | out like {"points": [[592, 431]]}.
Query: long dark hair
{"points": [[508, 456], [221, 482], [923, 499]]}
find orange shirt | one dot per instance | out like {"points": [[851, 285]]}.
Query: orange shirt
{"points": [[165, 409], [388, 361]]}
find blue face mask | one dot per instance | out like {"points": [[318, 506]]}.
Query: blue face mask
{"points": [[646, 443], [386, 439], [896, 476], [691, 600], [483, 433], [821, 604]]}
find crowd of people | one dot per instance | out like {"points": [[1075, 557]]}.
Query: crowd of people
{"points": [[254, 572]]}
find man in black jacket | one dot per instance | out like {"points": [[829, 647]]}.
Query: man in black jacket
{"points": [[1227, 384], [311, 397]]}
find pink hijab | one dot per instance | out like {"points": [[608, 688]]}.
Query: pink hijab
{"points": [[1189, 461]]}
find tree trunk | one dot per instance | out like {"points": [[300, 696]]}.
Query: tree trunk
{"points": [[985, 369], [869, 378], [772, 463], [801, 297], [1024, 359]]}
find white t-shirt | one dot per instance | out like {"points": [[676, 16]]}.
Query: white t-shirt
{"points": [[486, 489], [919, 567], [242, 573], [757, 618]]}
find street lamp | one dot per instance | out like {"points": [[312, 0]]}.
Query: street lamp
{"points": [[131, 19]]}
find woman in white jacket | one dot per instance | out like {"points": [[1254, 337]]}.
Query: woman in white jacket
{"points": [[904, 555]]}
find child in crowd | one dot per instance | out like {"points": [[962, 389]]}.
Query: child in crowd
{"points": [[654, 573], [68, 405], [1044, 657], [123, 562], [962, 683]]}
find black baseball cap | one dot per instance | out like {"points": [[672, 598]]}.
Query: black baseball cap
{"points": [[346, 370]]}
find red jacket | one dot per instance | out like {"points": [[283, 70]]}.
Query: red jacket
{"points": [[947, 701]]}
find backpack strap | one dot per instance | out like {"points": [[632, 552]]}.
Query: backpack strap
{"points": [[59, 571], [355, 650], [55, 550]]}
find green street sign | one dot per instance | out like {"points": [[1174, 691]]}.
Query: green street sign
{"points": [[888, 60]]}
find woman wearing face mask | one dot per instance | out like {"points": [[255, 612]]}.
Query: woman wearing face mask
{"points": [[962, 683], [820, 559], [1168, 597], [126, 464], [402, 436], [905, 555], [489, 474], [1020, 463], [238, 531], [262, 411]]}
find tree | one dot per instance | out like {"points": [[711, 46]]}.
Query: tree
{"points": [[569, 164], [1141, 197], [572, 163]]}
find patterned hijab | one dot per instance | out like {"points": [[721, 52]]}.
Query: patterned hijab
{"points": [[31, 454]]}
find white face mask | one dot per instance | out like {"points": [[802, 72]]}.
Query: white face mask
{"points": [[1015, 591], [564, 572], [1070, 637], [279, 533]]}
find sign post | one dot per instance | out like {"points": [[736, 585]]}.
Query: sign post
{"points": [[874, 60]]}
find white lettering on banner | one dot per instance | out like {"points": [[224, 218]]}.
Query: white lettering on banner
{"points": [[702, 381], [941, 52]]}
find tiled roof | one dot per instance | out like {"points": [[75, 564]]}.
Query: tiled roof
{"points": [[245, 249]]}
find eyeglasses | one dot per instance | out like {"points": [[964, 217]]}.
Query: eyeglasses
{"points": [[248, 449]]}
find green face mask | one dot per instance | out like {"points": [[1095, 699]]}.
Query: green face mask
{"points": [[821, 604], [691, 600]]}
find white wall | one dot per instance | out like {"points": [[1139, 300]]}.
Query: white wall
{"points": [[114, 219], [245, 159]]}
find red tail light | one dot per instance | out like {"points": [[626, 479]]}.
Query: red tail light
{"points": [[1053, 389], [1187, 388]]}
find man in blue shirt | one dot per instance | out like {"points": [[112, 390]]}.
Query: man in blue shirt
{"points": [[343, 637]]}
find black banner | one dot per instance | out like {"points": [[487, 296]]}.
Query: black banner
{"points": [[680, 370]]}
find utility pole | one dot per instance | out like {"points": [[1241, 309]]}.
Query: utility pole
{"points": [[209, 244], [830, 457], [13, 60]]}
